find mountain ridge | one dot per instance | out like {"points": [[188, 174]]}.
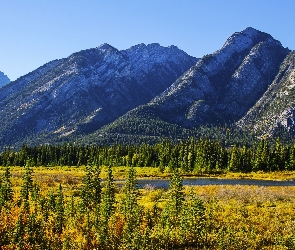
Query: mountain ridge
{"points": [[151, 91], [87, 90], [210, 91]]}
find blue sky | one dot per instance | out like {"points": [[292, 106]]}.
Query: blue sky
{"points": [[34, 32]]}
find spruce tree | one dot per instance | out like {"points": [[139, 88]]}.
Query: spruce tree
{"points": [[6, 191], [91, 190], [234, 162], [26, 188], [131, 212], [108, 197], [19, 232], [96, 187], [106, 209], [176, 195], [60, 210]]}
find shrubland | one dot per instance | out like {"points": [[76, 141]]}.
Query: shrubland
{"points": [[83, 208]]}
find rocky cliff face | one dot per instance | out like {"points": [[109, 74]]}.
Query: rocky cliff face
{"points": [[150, 90], [223, 86], [276, 108], [3, 79], [88, 89]]}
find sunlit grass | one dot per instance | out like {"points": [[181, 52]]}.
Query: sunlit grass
{"points": [[238, 217], [72, 173]]}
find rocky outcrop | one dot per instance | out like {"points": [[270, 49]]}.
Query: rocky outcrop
{"points": [[276, 108], [223, 86], [87, 90]]}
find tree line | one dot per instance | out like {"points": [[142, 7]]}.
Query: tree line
{"points": [[191, 155]]}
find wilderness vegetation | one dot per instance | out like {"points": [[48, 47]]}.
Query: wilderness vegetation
{"points": [[190, 156], [38, 212]]}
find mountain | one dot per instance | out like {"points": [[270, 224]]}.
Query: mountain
{"points": [[220, 89], [275, 110], [147, 92], [89, 89], [3, 79]]}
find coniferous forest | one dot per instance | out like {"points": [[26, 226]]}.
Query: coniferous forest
{"points": [[191, 155], [97, 213]]}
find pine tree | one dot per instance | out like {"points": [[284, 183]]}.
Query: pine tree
{"points": [[131, 212], [96, 187], [26, 188], [91, 190], [291, 162], [277, 162], [106, 209], [6, 191], [193, 221], [170, 221], [60, 210], [19, 232], [108, 198], [176, 195], [234, 162]]}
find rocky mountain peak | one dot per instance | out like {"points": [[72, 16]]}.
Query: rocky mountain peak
{"points": [[89, 89], [106, 46], [149, 84], [222, 86], [3, 79]]}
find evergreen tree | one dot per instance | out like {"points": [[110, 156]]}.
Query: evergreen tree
{"points": [[60, 211], [26, 188], [193, 221], [108, 197], [234, 162], [6, 191], [19, 232], [131, 212], [176, 195], [291, 163], [277, 159], [96, 187], [106, 209], [91, 190]]}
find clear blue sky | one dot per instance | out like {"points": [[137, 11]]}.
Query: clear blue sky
{"points": [[34, 32]]}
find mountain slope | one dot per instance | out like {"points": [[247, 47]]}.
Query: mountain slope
{"points": [[149, 92], [3, 79], [276, 108], [219, 89], [87, 90]]}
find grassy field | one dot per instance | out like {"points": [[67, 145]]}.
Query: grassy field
{"points": [[236, 217]]}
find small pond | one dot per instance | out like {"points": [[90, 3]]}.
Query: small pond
{"points": [[164, 183]]}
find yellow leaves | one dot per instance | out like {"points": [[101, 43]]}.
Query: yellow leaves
{"points": [[236, 217]]}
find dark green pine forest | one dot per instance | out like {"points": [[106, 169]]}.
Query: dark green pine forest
{"points": [[191, 155]]}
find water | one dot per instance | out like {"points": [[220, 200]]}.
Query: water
{"points": [[164, 183]]}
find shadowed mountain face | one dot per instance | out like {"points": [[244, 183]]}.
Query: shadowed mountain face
{"points": [[3, 79], [150, 90], [276, 108], [222, 87], [87, 90]]}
